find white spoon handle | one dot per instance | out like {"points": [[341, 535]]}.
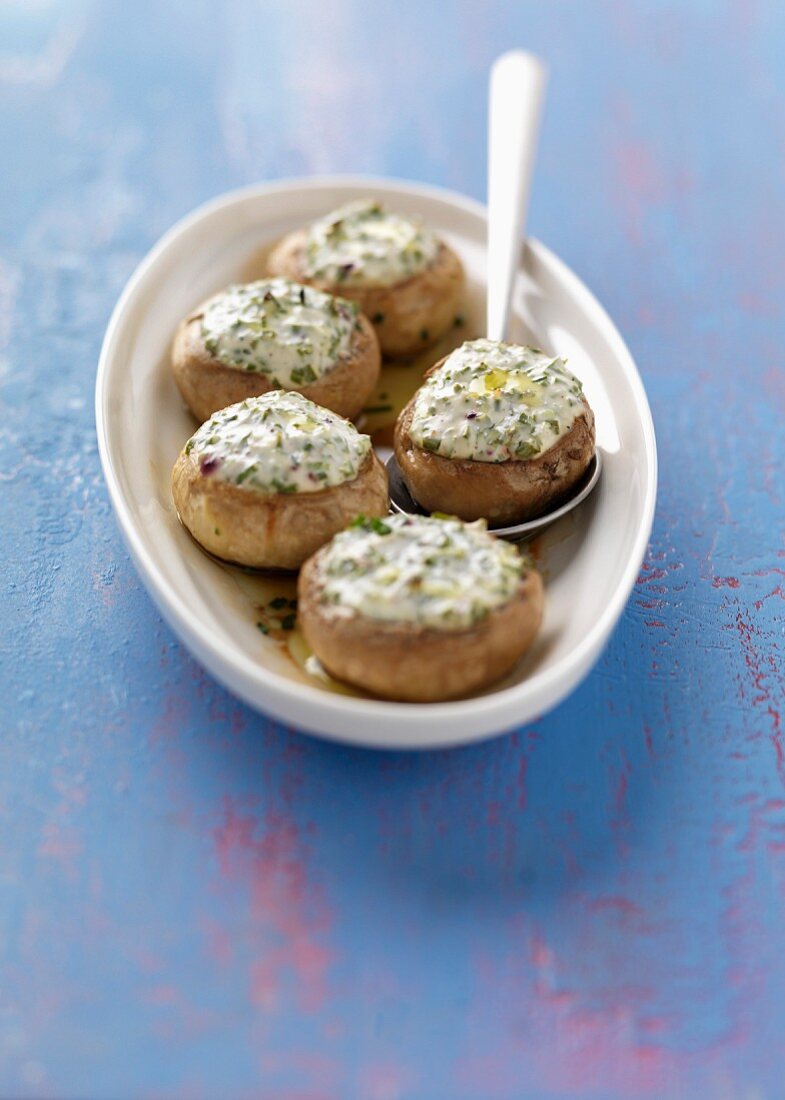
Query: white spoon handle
{"points": [[517, 87]]}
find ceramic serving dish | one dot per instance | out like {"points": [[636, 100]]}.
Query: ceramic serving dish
{"points": [[589, 559]]}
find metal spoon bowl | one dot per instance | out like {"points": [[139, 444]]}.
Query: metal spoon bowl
{"points": [[517, 87], [401, 500]]}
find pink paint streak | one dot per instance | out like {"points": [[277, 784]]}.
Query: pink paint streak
{"points": [[554, 1037], [647, 737], [623, 906], [761, 674], [523, 766], [60, 842], [643, 181], [287, 911], [384, 1081], [777, 591]]}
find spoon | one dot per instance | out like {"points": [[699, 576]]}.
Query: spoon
{"points": [[517, 87]]}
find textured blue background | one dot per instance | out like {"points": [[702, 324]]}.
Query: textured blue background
{"points": [[196, 902]]}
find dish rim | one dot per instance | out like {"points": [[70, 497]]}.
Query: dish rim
{"points": [[567, 672]]}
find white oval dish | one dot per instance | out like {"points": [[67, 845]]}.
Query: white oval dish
{"points": [[590, 559]]}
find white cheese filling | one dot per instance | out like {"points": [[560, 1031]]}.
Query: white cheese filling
{"points": [[290, 333], [360, 244], [279, 443], [438, 573], [495, 402]]}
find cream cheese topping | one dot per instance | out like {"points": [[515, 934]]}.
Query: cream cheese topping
{"points": [[279, 443], [290, 333], [438, 573], [495, 402], [360, 244]]}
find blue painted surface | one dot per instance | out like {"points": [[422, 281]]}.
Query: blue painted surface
{"points": [[195, 902]]}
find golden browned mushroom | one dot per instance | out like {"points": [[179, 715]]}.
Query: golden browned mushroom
{"points": [[275, 334], [266, 482], [497, 431], [419, 608]]}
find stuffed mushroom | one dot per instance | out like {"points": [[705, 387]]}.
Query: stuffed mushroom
{"points": [[266, 482], [497, 431], [419, 608], [275, 334], [405, 279]]}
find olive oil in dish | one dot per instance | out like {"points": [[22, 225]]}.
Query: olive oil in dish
{"points": [[271, 602]]}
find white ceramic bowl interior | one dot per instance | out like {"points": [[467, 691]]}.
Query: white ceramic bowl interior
{"points": [[590, 559]]}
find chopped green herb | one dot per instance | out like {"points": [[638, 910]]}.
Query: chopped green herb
{"points": [[283, 486], [371, 523], [246, 473], [302, 376]]}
